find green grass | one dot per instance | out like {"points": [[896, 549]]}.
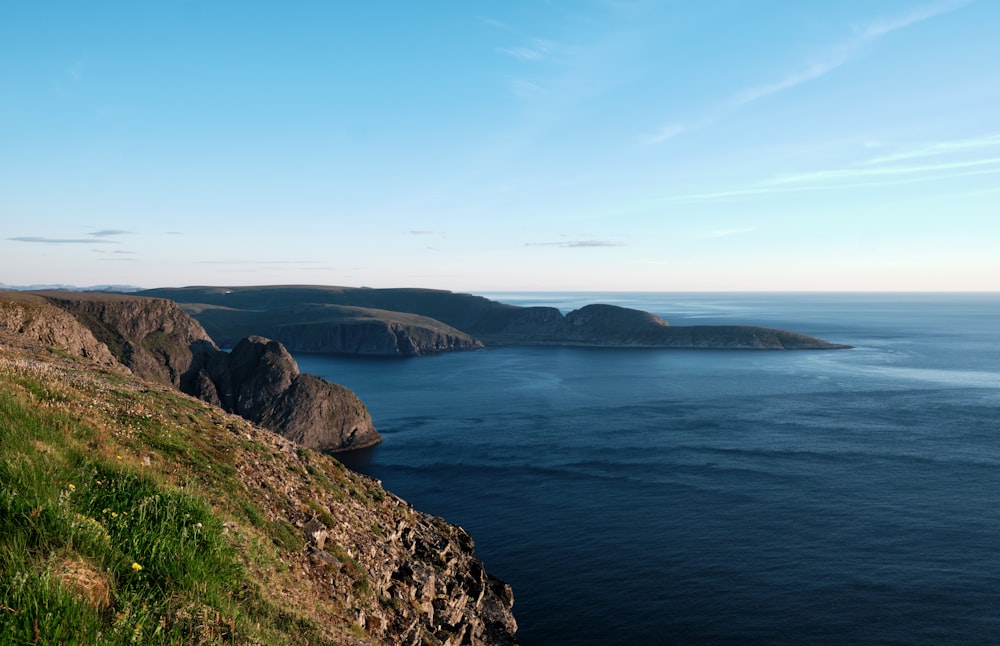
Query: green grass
{"points": [[98, 547]]}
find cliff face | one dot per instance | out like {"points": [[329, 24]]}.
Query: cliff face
{"points": [[329, 328], [30, 319], [259, 380], [154, 338], [159, 342]]}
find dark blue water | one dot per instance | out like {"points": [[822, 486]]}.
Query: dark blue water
{"points": [[691, 497]]}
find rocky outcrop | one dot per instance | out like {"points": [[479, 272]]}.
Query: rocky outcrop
{"points": [[153, 337], [489, 322], [158, 341], [28, 319], [260, 381]]}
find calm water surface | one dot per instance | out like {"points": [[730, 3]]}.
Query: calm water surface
{"points": [[690, 497]]}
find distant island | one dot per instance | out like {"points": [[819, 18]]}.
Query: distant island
{"points": [[413, 322]]}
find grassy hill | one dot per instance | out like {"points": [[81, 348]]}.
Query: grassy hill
{"points": [[131, 513]]}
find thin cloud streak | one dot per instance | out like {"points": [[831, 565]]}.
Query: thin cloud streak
{"points": [[43, 240], [835, 58], [768, 190], [849, 173], [536, 51], [942, 148], [103, 233], [574, 244]]}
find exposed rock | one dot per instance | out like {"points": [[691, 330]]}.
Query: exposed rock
{"points": [[152, 336], [28, 319], [259, 380], [159, 342]]}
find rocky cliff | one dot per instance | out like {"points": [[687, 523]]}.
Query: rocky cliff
{"points": [[259, 380], [132, 513], [158, 341], [336, 329], [31, 319], [289, 312]]}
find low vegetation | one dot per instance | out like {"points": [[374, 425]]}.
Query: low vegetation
{"points": [[123, 521]]}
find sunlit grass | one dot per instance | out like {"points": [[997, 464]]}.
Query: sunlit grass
{"points": [[114, 504]]}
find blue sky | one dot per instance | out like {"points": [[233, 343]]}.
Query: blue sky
{"points": [[474, 146]]}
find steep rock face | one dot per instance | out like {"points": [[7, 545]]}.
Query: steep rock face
{"points": [[414, 580], [260, 381], [371, 337], [152, 336], [27, 319]]}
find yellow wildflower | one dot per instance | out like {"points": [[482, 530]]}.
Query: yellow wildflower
{"points": [[71, 486], [136, 566]]}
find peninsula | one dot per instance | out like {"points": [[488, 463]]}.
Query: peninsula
{"points": [[411, 322]]}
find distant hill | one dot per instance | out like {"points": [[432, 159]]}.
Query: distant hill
{"points": [[409, 321], [72, 288]]}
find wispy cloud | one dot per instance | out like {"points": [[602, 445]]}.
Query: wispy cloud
{"points": [[884, 170], [572, 244], [856, 173], [258, 262], [938, 149], [44, 240], [104, 233], [809, 71], [536, 50], [497, 24]]}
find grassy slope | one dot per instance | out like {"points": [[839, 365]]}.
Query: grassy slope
{"points": [[124, 518]]}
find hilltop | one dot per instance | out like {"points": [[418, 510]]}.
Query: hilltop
{"points": [[131, 512]]}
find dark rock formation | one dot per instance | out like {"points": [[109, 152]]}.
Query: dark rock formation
{"points": [[153, 337], [259, 380], [159, 342], [491, 322]]}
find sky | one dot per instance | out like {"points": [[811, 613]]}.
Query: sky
{"points": [[589, 145]]}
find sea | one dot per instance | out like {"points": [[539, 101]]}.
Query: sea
{"points": [[637, 496]]}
